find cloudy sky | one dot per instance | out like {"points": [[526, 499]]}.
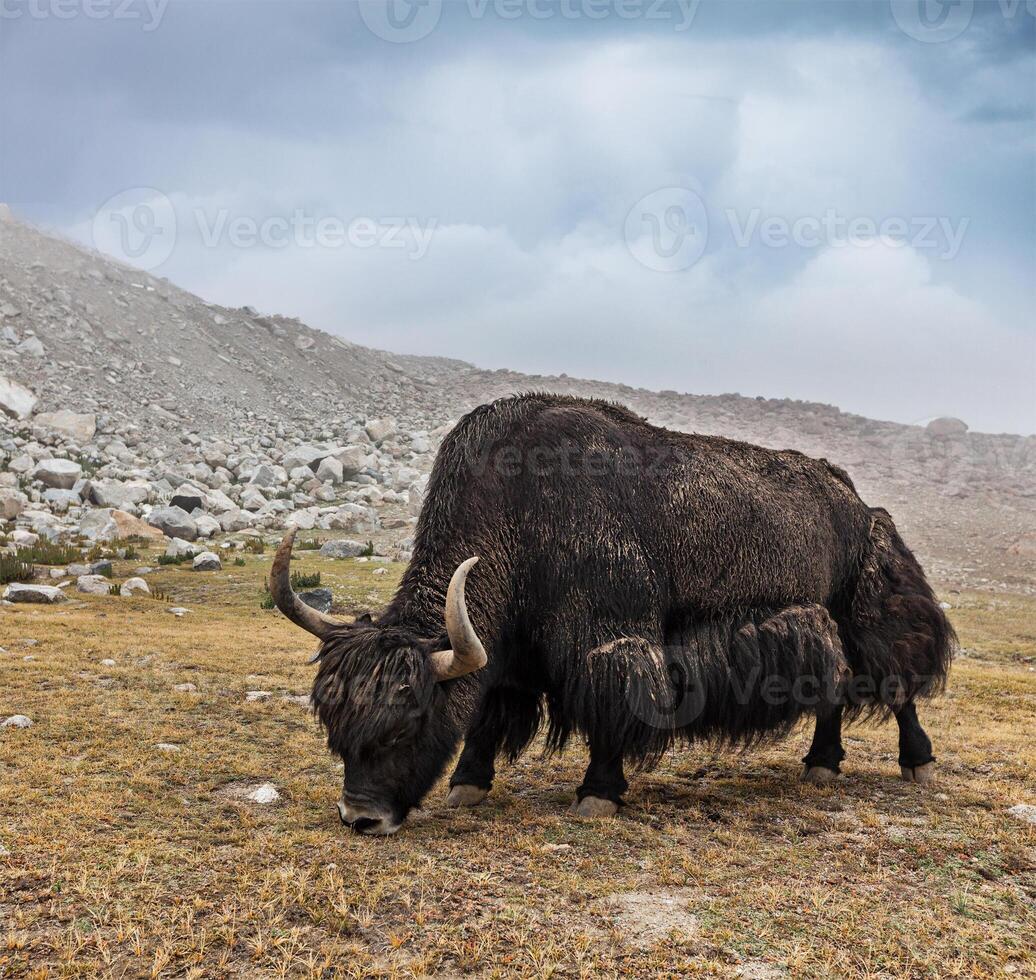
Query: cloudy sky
{"points": [[828, 201]]}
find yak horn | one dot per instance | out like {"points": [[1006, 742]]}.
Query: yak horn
{"points": [[288, 602], [467, 653]]}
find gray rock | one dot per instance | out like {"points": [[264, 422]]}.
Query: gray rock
{"points": [[379, 430], [32, 346], [207, 561], [1024, 811], [342, 548], [61, 474], [12, 503], [93, 584], [946, 426], [47, 594], [118, 494], [330, 470], [267, 475], [308, 456], [79, 428], [17, 721], [16, 400], [134, 586], [173, 522], [353, 460], [187, 688], [319, 599]]}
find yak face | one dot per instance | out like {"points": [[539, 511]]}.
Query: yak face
{"points": [[386, 697], [387, 718]]}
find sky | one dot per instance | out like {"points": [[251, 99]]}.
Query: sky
{"points": [[830, 201]]}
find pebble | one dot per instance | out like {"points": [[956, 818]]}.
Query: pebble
{"points": [[17, 721], [256, 695], [267, 793], [178, 611], [1024, 811], [187, 688], [167, 747], [108, 663]]}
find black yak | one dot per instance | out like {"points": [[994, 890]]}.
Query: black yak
{"points": [[634, 586]]}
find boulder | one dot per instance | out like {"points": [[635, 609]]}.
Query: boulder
{"points": [[174, 522], [16, 400], [353, 460], [93, 584], [234, 520], [178, 548], [308, 456], [79, 428], [946, 426], [46, 594], [61, 474], [120, 494], [134, 586], [109, 524], [342, 548], [267, 475], [207, 561], [17, 721], [330, 470], [188, 498], [207, 526], [380, 429], [12, 503]]}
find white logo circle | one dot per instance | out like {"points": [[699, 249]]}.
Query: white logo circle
{"points": [[668, 229], [136, 226], [401, 21], [932, 21]]}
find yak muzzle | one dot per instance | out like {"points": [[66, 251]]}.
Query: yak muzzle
{"points": [[367, 819]]}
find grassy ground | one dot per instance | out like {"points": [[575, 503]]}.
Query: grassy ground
{"points": [[124, 859]]}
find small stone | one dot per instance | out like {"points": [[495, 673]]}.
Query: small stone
{"points": [[319, 599], [187, 688], [1024, 811], [267, 793], [108, 663], [256, 695], [167, 747], [178, 611], [17, 721]]}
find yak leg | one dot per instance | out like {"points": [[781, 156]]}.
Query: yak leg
{"points": [[507, 719], [916, 762], [600, 794], [826, 753]]}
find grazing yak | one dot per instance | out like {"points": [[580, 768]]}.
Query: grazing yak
{"points": [[633, 585]]}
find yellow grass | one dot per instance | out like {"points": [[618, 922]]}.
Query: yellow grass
{"points": [[126, 860]]}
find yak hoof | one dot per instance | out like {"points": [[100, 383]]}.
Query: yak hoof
{"points": [[462, 795], [922, 775], [819, 775], [594, 806]]}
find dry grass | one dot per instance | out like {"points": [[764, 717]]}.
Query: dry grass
{"points": [[127, 860]]}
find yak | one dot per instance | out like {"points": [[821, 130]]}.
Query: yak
{"points": [[579, 567]]}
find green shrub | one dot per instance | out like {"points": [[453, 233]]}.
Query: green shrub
{"points": [[13, 569]]}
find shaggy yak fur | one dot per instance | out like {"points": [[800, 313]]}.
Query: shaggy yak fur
{"points": [[636, 586]]}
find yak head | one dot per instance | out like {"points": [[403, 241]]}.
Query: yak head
{"points": [[381, 693]]}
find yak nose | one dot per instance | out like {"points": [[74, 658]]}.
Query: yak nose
{"points": [[366, 820]]}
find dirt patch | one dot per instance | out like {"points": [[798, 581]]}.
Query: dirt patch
{"points": [[647, 917]]}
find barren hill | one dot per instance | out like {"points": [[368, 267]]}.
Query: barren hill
{"points": [[160, 367]]}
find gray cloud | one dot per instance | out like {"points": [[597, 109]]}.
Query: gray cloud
{"points": [[523, 145]]}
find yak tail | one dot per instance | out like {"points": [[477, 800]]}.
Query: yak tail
{"points": [[897, 639]]}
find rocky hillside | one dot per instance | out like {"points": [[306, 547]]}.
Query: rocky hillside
{"points": [[123, 394]]}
